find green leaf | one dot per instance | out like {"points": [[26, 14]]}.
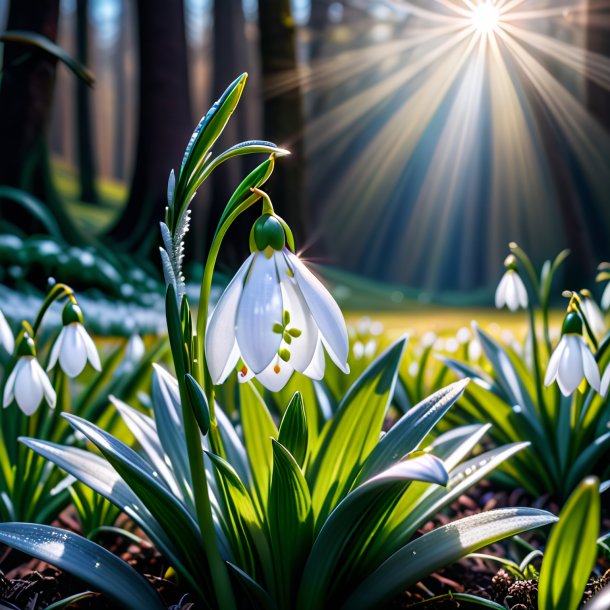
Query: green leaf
{"points": [[293, 429], [290, 523], [255, 593], [84, 559], [409, 432], [439, 548], [48, 46], [35, 207], [571, 552], [342, 543], [144, 482], [198, 402], [243, 193], [353, 432], [258, 428]]}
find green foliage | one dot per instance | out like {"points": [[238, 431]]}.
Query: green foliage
{"points": [[568, 434], [572, 550]]}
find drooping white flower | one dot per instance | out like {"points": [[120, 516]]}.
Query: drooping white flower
{"points": [[73, 346], [572, 359], [593, 313], [28, 384], [605, 300], [275, 316], [511, 291], [603, 389], [6, 335]]}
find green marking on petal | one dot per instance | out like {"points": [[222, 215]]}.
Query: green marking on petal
{"points": [[286, 317], [284, 354], [278, 328], [295, 332], [287, 338]]}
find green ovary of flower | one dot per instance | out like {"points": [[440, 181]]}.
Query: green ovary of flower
{"points": [[268, 233]]}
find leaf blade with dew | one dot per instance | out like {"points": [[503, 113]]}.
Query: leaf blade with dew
{"points": [[439, 548], [84, 559]]}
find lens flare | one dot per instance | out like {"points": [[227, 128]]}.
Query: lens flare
{"points": [[486, 17]]}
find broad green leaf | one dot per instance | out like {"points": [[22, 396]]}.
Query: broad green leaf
{"points": [[353, 432], [245, 528], [342, 542], [45, 44], [34, 206], [571, 552], [290, 523], [408, 433], [587, 460], [146, 484], [293, 432], [84, 559], [259, 428], [453, 446], [439, 548]]}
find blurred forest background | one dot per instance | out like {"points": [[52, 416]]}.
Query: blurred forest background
{"points": [[417, 154]]}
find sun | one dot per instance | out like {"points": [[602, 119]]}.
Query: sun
{"points": [[485, 17]]}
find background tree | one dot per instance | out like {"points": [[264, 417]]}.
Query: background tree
{"points": [[164, 121], [283, 108]]}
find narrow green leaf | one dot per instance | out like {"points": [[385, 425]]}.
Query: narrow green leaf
{"points": [[290, 523], [353, 432], [439, 548], [408, 433], [293, 429], [258, 428], [35, 207], [84, 559], [257, 595], [571, 552]]}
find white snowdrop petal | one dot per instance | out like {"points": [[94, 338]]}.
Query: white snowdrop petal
{"points": [[90, 348], [303, 347], [232, 361], [47, 388], [260, 308], [9, 386], [500, 298], [512, 301], [28, 389], [603, 390], [605, 300], [316, 367], [571, 371], [220, 333], [553, 366], [276, 375], [73, 353], [590, 366], [6, 335], [325, 311], [56, 349], [521, 292]]}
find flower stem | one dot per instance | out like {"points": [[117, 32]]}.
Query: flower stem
{"points": [[57, 292]]}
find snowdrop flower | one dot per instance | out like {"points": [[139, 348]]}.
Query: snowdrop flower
{"points": [[605, 301], [6, 335], [511, 290], [275, 316], [73, 346], [603, 390], [593, 313], [28, 384], [572, 359]]}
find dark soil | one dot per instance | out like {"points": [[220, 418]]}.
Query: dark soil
{"points": [[27, 584]]}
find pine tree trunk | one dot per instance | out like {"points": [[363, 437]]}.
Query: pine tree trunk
{"points": [[84, 131], [164, 123]]}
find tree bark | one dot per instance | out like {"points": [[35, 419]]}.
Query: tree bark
{"points": [[283, 111], [164, 123], [84, 130], [26, 99]]}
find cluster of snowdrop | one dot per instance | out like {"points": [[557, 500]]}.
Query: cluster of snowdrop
{"points": [[572, 361], [28, 383]]}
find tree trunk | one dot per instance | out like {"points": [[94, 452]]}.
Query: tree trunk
{"points": [[230, 59], [164, 123], [283, 111], [84, 131], [26, 99]]}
